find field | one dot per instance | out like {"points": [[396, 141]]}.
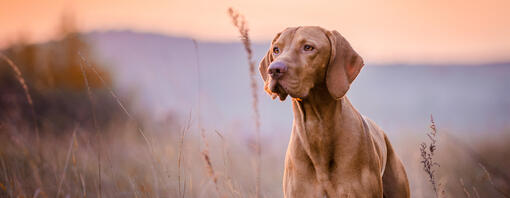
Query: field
{"points": [[118, 162], [67, 131]]}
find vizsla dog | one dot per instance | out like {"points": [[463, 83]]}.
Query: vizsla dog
{"points": [[333, 151]]}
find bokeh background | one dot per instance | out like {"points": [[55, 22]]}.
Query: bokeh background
{"points": [[119, 89]]}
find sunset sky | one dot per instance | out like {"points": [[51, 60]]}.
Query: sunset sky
{"points": [[408, 31]]}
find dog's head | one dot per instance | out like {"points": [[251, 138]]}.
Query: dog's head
{"points": [[301, 58]]}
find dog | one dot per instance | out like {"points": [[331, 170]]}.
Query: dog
{"points": [[333, 151]]}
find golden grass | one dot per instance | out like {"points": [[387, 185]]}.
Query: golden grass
{"points": [[239, 22], [23, 84], [127, 170], [96, 127]]}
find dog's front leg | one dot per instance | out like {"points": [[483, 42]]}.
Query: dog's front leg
{"points": [[299, 179]]}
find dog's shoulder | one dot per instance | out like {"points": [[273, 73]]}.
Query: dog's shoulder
{"points": [[378, 138]]}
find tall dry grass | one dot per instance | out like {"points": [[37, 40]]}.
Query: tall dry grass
{"points": [[430, 166], [66, 165], [96, 127], [239, 22], [427, 151], [180, 158], [23, 84], [149, 144]]}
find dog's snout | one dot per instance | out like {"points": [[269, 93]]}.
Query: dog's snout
{"points": [[277, 69]]}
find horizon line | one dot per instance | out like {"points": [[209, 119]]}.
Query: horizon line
{"points": [[485, 63]]}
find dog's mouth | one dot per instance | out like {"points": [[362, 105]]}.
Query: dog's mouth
{"points": [[278, 90]]}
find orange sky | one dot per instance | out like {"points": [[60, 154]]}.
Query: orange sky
{"points": [[436, 31]]}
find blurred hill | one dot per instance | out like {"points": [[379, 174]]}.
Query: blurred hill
{"points": [[163, 70]]}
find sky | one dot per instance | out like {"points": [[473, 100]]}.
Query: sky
{"points": [[404, 31]]}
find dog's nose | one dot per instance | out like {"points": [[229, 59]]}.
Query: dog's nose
{"points": [[277, 69]]}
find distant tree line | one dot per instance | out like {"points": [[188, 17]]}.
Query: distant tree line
{"points": [[55, 80]]}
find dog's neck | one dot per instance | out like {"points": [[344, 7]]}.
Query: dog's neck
{"points": [[320, 121], [320, 111], [319, 104], [314, 122]]}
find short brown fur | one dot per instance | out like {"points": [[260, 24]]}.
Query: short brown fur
{"points": [[333, 151]]}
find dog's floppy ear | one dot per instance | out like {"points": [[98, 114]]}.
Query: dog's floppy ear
{"points": [[344, 65], [264, 63]]}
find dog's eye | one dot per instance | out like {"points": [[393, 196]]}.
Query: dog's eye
{"points": [[276, 50], [308, 48]]}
